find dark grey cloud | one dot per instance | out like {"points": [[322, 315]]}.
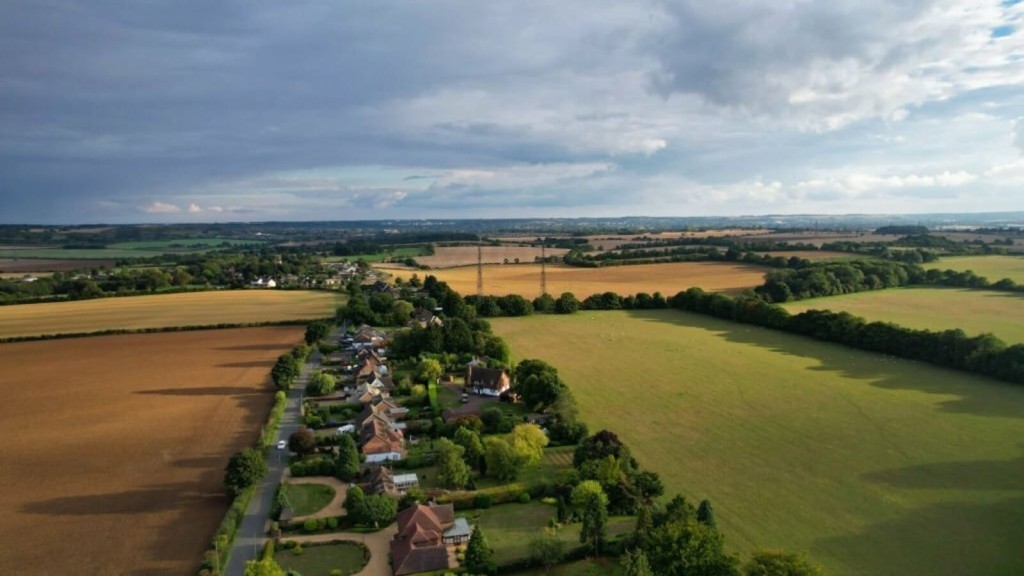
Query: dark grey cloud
{"points": [[109, 108]]}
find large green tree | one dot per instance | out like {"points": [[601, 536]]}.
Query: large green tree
{"points": [[471, 444], [302, 441], [591, 505], [347, 465], [500, 458], [479, 557], [452, 470], [245, 469], [538, 383], [321, 384], [780, 563], [528, 442], [317, 331]]}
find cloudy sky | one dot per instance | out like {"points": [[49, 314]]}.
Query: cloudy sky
{"points": [[150, 111]]}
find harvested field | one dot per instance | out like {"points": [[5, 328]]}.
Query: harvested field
{"points": [[819, 238], [994, 268], [668, 279], [451, 256], [114, 447], [33, 265], [164, 310], [871, 464]]}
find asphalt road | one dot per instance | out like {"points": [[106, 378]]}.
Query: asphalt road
{"points": [[253, 531]]}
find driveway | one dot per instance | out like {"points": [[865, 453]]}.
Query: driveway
{"points": [[377, 543]]}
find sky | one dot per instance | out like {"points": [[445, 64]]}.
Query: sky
{"points": [[249, 110]]}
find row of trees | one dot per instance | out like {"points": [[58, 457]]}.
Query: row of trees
{"points": [[984, 354], [832, 278]]}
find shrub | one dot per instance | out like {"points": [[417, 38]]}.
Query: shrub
{"points": [[310, 525], [483, 501], [332, 523], [288, 545], [524, 498]]}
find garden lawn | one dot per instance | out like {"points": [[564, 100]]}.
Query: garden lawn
{"points": [[511, 528], [308, 499], [591, 567], [319, 560], [871, 464], [995, 267], [973, 311]]}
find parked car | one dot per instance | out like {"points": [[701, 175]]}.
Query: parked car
{"points": [[282, 445], [465, 398]]}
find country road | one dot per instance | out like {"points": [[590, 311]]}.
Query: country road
{"points": [[253, 532]]}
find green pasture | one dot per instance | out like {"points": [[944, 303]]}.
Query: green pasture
{"points": [[871, 464], [400, 253], [124, 249], [973, 311], [995, 267]]}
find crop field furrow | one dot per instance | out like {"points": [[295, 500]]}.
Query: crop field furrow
{"points": [[114, 447]]}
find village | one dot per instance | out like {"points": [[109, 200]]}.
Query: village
{"points": [[410, 451]]}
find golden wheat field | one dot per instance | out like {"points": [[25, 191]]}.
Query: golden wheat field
{"points": [[670, 278], [450, 256], [164, 310]]}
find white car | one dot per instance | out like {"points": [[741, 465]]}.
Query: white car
{"points": [[282, 444]]}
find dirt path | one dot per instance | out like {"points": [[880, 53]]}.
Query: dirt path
{"points": [[377, 542], [334, 508]]}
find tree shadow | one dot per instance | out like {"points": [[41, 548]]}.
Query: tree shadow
{"points": [[255, 347], [202, 462], [204, 391], [249, 364], [160, 498], [998, 475], [973, 394], [948, 538]]}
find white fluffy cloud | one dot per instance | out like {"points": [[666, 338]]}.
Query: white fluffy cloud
{"points": [[158, 207]]}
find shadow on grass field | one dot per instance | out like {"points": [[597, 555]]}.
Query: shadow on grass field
{"points": [[888, 372], [873, 465], [897, 546]]}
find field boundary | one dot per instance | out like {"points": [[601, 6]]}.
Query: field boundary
{"points": [[155, 330]]}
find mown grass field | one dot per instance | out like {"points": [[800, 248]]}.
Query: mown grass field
{"points": [[974, 311], [165, 310], [872, 465], [992, 267], [670, 278], [114, 447]]}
